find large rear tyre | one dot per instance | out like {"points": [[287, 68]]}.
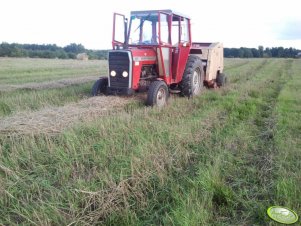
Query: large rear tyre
{"points": [[193, 79], [221, 80], [100, 87], [157, 94]]}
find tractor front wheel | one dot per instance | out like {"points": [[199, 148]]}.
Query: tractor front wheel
{"points": [[157, 94], [193, 79], [100, 87]]}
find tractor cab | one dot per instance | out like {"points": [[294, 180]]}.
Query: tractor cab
{"points": [[152, 27]]}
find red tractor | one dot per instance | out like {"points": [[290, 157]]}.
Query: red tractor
{"points": [[155, 53]]}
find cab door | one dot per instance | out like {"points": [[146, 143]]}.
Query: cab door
{"points": [[181, 43], [119, 31], [164, 49]]}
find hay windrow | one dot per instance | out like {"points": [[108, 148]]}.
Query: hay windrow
{"points": [[56, 119], [48, 84]]}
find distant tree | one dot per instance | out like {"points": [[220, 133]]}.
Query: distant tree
{"points": [[74, 48], [231, 52], [71, 55], [16, 51], [260, 51], [48, 54], [5, 49], [227, 52], [267, 52], [274, 52], [255, 53], [290, 52], [235, 52], [70, 51], [247, 53], [61, 54], [280, 52], [241, 52]]}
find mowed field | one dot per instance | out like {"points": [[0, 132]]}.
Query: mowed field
{"points": [[221, 158]]}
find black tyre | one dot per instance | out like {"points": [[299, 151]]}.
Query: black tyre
{"points": [[157, 94], [193, 79], [100, 87], [221, 79]]}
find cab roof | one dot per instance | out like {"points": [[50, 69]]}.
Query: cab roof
{"points": [[167, 11]]}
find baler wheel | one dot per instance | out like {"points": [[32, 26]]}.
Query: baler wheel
{"points": [[221, 80]]}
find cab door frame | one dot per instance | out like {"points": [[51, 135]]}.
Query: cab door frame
{"points": [[181, 51], [164, 48], [119, 22]]}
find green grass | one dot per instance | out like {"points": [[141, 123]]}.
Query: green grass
{"points": [[232, 63], [287, 140], [219, 159]]}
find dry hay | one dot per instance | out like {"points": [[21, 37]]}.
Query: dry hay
{"points": [[55, 119], [82, 56], [49, 84]]}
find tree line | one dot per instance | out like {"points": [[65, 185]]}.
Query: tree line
{"points": [[243, 52], [49, 51], [70, 51]]}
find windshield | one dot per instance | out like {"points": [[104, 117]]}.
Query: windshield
{"points": [[144, 29]]}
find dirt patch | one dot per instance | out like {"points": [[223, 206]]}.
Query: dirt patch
{"points": [[56, 119], [49, 84]]}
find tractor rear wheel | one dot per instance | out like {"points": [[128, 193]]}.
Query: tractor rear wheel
{"points": [[157, 94], [100, 87], [221, 79], [193, 79]]}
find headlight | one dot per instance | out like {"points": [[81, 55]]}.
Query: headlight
{"points": [[125, 74], [113, 73]]}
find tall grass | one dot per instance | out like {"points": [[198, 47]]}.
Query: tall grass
{"points": [[219, 159], [287, 139]]}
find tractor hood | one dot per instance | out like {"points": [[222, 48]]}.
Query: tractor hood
{"points": [[145, 56]]}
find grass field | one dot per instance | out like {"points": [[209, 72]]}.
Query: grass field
{"points": [[24, 70], [219, 159]]}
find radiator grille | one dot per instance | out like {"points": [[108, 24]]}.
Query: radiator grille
{"points": [[119, 62]]}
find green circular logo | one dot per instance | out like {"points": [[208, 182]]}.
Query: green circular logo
{"points": [[282, 215]]}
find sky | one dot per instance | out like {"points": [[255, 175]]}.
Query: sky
{"points": [[235, 23]]}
